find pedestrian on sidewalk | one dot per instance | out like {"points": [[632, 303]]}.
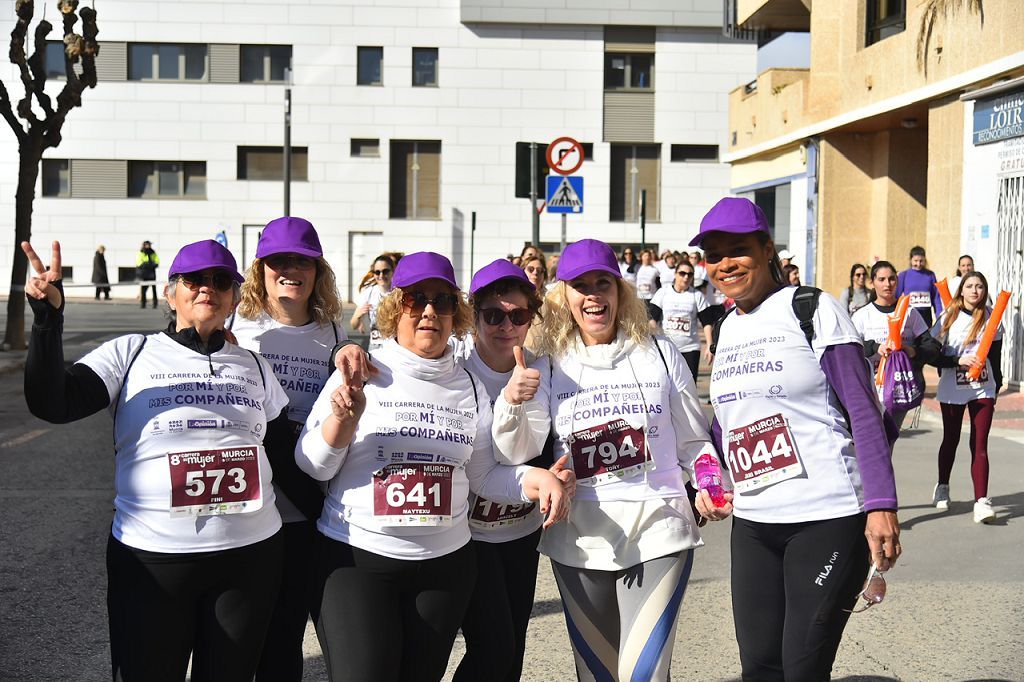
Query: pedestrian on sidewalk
{"points": [[960, 329], [146, 265], [919, 282], [858, 294], [99, 273]]}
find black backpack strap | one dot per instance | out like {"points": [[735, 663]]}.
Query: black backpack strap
{"points": [[334, 326], [472, 381], [259, 366], [662, 354], [805, 304], [717, 329], [124, 381]]}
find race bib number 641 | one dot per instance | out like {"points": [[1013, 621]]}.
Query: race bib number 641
{"points": [[762, 454]]}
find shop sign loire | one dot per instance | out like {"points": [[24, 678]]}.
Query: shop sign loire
{"points": [[999, 118]]}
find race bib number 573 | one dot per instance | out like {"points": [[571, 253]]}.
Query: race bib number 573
{"points": [[762, 454], [213, 482]]}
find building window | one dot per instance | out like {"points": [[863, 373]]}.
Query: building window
{"points": [[56, 178], [53, 59], [628, 71], [166, 62], [167, 179], [415, 187], [424, 66], [695, 153], [366, 147], [264, 63], [885, 18], [267, 163], [634, 167], [369, 63]]}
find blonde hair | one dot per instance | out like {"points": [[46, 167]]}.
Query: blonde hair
{"points": [[558, 327], [324, 303], [389, 311]]}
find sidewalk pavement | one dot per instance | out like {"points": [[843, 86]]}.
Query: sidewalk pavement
{"points": [[1009, 414]]}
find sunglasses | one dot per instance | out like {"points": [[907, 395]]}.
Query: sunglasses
{"points": [[873, 592], [860, 274], [381, 272], [534, 270], [220, 280], [415, 302], [495, 316], [684, 273], [280, 261]]}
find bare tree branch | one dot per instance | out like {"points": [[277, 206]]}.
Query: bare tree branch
{"points": [[37, 66], [8, 114]]}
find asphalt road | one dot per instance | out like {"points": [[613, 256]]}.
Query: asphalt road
{"points": [[954, 610]]}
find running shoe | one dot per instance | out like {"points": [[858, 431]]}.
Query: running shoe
{"points": [[983, 511], [940, 497]]}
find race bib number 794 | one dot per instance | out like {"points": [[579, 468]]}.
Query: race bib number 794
{"points": [[214, 482], [608, 452], [762, 454]]}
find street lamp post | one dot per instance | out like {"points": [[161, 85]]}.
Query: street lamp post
{"points": [[288, 142]]}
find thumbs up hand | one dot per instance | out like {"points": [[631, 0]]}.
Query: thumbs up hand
{"points": [[523, 383]]}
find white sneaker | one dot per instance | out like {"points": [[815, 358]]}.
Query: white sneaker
{"points": [[983, 511], [940, 497]]}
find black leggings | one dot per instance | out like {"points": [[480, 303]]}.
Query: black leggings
{"points": [[282, 652], [213, 605], [692, 358], [790, 585], [386, 619], [495, 623]]}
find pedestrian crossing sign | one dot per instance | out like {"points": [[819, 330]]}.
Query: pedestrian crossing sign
{"points": [[565, 194]]}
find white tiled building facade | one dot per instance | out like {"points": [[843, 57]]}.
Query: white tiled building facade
{"points": [[169, 135]]}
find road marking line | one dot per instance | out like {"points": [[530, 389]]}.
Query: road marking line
{"points": [[23, 438]]}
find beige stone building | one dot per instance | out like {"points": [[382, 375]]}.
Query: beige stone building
{"points": [[906, 129]]}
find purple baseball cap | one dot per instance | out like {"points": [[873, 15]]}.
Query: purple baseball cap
{"points": [[499, 269], [289, 235], [734, 215], [202, 255], [422, 265], [586, 255]]}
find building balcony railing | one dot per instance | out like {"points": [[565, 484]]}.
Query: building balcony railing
{"points": [[768, 107], [762, 20]]}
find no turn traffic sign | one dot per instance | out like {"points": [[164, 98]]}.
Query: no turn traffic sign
{"points": [[564, 156]]}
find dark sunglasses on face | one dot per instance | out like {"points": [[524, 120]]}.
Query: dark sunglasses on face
{"points": [[220, 280], [381, 272], [280, 261], [495, 316], [684, 273], [415, 302]]}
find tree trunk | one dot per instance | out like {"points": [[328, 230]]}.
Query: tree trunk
{"points": [[28, 171]]}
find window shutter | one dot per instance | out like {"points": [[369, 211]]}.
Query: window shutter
{"points": [[428, 178], [99, 179], [629, 39], [112, 61], [224, 63]]}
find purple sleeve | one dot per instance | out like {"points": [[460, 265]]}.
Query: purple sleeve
{"points": [[846, 372], [716, 438], [901, 280], [934, 293]]}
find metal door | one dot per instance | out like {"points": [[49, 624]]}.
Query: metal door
{"points": [[1010, 275]]}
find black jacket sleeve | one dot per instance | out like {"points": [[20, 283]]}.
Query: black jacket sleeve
{"points": [[870, 347], [53, 393], [995, 355], [656, 312], [303, 491], [927, 349], [709, 315]]}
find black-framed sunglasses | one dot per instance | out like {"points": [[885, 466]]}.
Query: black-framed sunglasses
{"points": [[873, 592], [415, 302], [495, 316], [280, 261], [684, 273], [381, 272], [219, 280]]}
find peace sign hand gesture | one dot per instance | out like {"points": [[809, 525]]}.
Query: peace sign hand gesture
{"points": [[40, 285]]}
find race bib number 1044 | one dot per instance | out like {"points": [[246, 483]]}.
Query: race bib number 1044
{"points": [[762, 454]]}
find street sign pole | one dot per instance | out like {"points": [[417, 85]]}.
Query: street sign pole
{"points": [[288, 143], [643, 219], [562, 248], [472, 239], [534, 215]]}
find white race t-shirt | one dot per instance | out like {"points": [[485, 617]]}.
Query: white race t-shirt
{"points": [[955, 387], [873, 325], [647, 281], [666, 272], [626, 274], [170, 416], [301, 359], [490, 521], [679, 316], [372, 295], [786, 441], [401, 487]]}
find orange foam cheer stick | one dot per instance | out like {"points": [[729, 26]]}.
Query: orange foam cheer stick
{"points": [[943, 287], [989, 334], [895, 341]]}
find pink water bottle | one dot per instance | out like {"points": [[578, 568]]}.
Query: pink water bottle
{"points": [[709, 477]]}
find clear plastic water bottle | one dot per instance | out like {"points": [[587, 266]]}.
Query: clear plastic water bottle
{"points": [[709, 477]]}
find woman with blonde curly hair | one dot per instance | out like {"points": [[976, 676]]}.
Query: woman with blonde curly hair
{"points": [[623, 406], [288, 312], [396, 569]]}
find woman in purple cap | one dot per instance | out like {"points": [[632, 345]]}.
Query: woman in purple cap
{"points": [[623, 407], [195, 551], [505, 303], [288, 314], [395, 569], [792, 394]]}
